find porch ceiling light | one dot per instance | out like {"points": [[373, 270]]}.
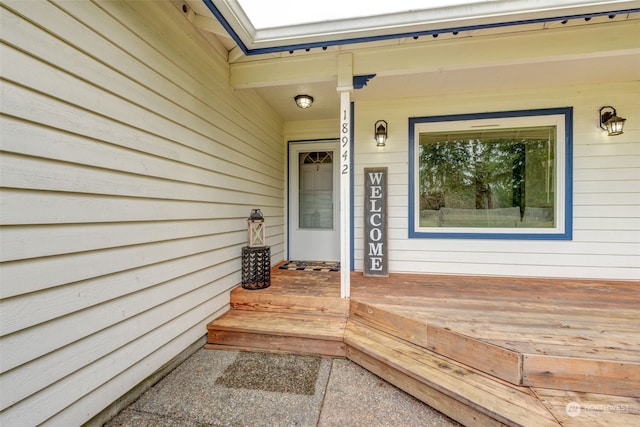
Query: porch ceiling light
{"points": [[380, 130], [304, 101], [610, 121]]}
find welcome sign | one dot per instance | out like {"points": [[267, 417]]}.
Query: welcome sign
{"points": [[375, 222]]}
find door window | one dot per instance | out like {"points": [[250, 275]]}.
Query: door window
{"points": [[315, 190]]}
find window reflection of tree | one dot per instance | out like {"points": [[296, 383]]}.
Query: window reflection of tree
{"points": [[487, 169]]}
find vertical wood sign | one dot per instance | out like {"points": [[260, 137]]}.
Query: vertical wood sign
{"points": [[375, 222]]}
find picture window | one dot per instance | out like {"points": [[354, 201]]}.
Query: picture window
{"points": [[491, 175]]}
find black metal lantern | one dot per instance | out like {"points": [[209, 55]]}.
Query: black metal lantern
{"points": [[256, 229], [610, 121], [380, 131], [256, 258]]}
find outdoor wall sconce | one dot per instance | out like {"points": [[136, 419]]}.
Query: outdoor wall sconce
{"points": [[304, 101], [256, 230], [380, 130], [610, 122]]}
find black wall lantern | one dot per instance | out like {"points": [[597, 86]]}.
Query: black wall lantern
{"points": [[610, 121], [380, 130]]}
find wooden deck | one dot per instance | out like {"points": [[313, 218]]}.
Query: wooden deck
{"points": [[483, 350]]}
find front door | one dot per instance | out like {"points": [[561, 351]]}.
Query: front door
{"points": [[314, 222]]}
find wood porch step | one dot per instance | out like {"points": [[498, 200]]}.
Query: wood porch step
{"points": [[501, 354], [491, 359], [300, 333], [464, 394], [303, 301]]}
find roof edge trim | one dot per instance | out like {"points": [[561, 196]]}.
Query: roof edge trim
{"points": [[249, 51]]}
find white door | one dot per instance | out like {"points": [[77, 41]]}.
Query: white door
{"points": [[314, 183]]}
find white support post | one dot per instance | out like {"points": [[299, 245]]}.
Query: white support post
{"points": [[345, 194], [345, 86]]}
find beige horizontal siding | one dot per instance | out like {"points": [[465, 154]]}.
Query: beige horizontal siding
{"points": [[129, 167], [606, 188]]}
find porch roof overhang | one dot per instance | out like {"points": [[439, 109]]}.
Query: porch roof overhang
{"points": [[565, 42], [370, 24]]}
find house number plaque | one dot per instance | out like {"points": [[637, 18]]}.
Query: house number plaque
{"points": [[375, 222]]}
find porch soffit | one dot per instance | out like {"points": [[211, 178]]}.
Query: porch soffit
{"points": [[531, 47]]}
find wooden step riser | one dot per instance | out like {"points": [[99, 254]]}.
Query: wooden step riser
{"points": [[585, 375], [254, 300], [233, 340], [494, 360]]}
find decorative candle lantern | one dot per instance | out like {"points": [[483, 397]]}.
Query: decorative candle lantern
{"points": [[257, 237], [256, 258]]}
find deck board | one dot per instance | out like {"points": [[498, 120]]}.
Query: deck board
{"points": [[573, 409], [563, 317]]}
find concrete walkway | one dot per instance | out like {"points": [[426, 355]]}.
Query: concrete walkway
{"points": [[230, 388]]}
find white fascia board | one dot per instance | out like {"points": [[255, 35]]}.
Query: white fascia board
{"points": [[237, 20], [441, 18]]}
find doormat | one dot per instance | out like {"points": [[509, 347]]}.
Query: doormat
{"points": [[281, 373], [311, 265]]}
